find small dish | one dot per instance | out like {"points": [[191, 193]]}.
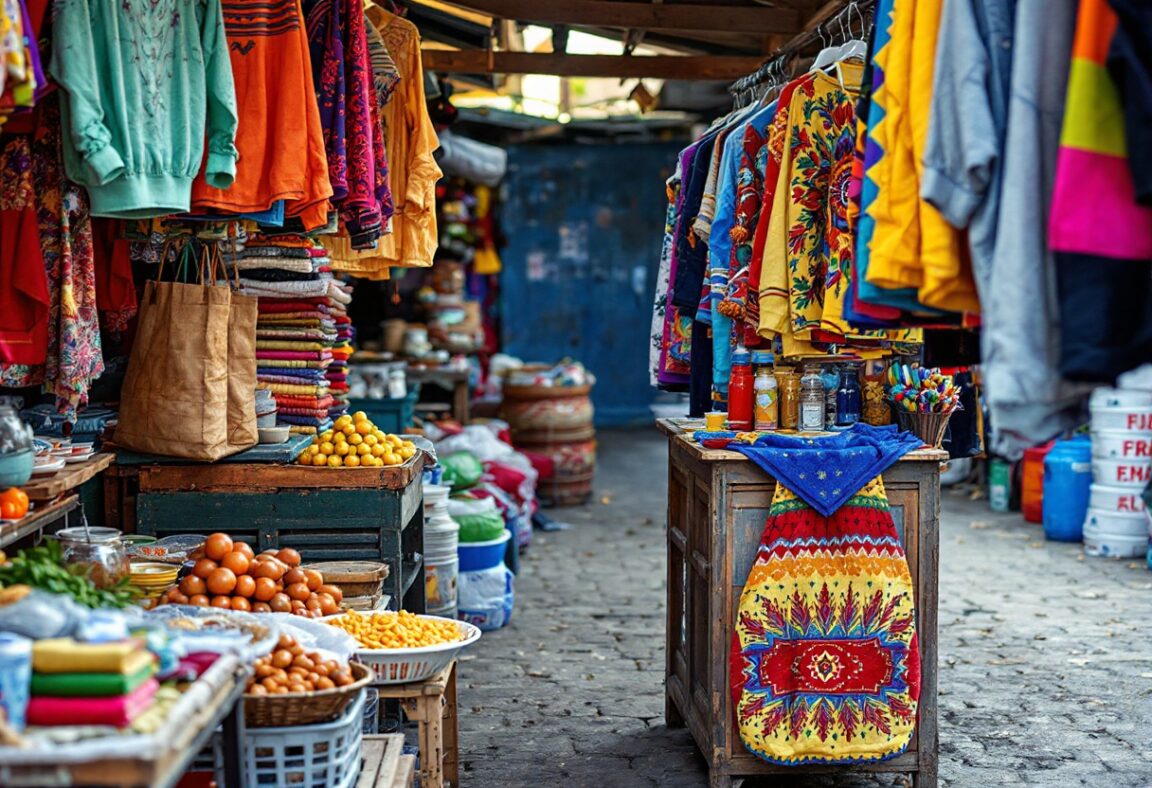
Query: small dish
{"points": [[273, 435], [47, 467]]}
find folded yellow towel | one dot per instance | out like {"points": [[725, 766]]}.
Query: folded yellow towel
{"points": [[64, 655]]}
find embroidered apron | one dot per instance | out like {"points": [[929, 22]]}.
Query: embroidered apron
{"points": [[824, 665]]}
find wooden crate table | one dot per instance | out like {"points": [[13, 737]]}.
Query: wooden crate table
{"points": [[44, 517], [328, 514], [162, 758], [385, 764], [432, 705], [67, 478], [718, 503]]}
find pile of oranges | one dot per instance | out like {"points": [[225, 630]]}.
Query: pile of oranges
{"points": [[229, 575], [355, 442]]}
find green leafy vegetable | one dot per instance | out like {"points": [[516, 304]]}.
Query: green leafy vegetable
{"points": [[43, 567]]}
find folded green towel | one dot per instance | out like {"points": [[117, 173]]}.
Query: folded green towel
{"points": [[95, 685]]}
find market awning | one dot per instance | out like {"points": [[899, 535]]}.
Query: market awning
{"points": [[714, 39]]}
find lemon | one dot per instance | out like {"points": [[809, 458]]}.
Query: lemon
{"points": [[356, 439], [326, 436], [304, 459], [391, 459], [335, 462], [364, 428], [395, 441], [407, 452], [370, 439], [339, 438], [349, 429], [327, 448], [362, 450], [320, 460], [359, 416], [342, 449], [351, 461], [378, 450], [408, 445]]}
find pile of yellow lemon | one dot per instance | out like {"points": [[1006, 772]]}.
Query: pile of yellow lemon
{"points": [[397, 630], [355, 442]]}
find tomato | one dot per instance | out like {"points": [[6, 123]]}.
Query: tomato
{"points": [[13, 504]]}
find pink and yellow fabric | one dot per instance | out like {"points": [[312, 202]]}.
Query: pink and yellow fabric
{"points": [[1093, 158], [825, 666]]}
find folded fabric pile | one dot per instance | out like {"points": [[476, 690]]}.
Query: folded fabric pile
{"points": [[300, 311], [337, 374], [77, 683]]}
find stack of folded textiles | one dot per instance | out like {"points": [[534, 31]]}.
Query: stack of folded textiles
{"points": [[77, 683], [337, 374], [296, 328]]}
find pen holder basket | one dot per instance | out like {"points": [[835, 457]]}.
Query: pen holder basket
{"points": [[928, 427]]}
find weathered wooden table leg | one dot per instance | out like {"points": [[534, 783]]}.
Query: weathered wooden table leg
{"points": [[429, 712], [451, 733], [717, 780]]}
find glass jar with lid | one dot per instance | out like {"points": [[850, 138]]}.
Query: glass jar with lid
{"points": [[100, 551], [812, 400], [788, 384]]}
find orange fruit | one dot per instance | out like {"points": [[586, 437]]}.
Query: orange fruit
{"points": [[245, 585], [237, 562], [14, 502], [221, 582]]}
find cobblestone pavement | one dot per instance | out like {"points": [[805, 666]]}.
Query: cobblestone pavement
{"points": [[1045, 667]]}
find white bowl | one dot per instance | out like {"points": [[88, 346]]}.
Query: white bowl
{"points": [[274, 434], [405, 665]]}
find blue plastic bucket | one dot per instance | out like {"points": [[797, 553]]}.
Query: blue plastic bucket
{"points": [[1067, 487], [475, 556]]}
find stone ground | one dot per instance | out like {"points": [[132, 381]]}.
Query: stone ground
{"points": [[1045, 666]]}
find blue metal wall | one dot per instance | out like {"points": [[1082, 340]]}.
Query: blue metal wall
{"points": [[584, 226]]}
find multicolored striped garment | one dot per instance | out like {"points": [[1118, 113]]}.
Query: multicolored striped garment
{"points": [[825, 666], [1094, 209]]}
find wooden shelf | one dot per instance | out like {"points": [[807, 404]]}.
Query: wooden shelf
{"points": [[42, 515], [71, 477]]}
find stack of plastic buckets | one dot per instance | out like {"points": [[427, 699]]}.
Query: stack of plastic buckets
{"points": [[441, 560], [1116, 525]]}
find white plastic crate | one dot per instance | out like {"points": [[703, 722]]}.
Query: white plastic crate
{"points": [[326, 755]]}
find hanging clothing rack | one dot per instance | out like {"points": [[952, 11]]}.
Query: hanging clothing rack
{"points": [[828, 30]]}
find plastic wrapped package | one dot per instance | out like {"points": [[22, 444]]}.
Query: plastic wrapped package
{"points": [[486, 598], [43, 615], [462, 469], [216, 631], [479, 518]]}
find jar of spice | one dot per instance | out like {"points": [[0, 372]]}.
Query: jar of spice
{"points": [[788, 384], [875, 409], [98, 550], [812, 400]]}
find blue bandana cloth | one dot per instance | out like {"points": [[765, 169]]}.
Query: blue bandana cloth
{"points": [[826, 471]]}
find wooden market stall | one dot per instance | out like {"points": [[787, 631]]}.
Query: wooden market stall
{"points": [[718, 502]]}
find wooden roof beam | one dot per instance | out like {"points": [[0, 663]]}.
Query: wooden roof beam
{"points": [[478, 61], [643, 16]]}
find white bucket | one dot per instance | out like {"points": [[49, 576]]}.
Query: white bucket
{"points": [[441, 568], [1105, 545], [1120, 398], [1133, 419], [1124, 500], [1122, 444], [1121, 473], [1128, 524]]}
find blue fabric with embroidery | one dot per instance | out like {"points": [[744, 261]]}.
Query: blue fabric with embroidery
{"points": [[827, 471]]}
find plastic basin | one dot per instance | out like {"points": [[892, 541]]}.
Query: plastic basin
{"points": [[475, 556], [16, 469]]}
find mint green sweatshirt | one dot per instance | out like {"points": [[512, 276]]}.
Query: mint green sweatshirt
{"points": [[144, 81]]}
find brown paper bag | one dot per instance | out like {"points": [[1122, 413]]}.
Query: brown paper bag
{"points": [[242, 433], [175, 395]]}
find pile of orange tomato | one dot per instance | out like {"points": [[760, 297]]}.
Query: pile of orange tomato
{"points": [[231, 576]]}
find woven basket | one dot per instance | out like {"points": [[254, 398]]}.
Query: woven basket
{"points": [[305, 708], [928, 427]]}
